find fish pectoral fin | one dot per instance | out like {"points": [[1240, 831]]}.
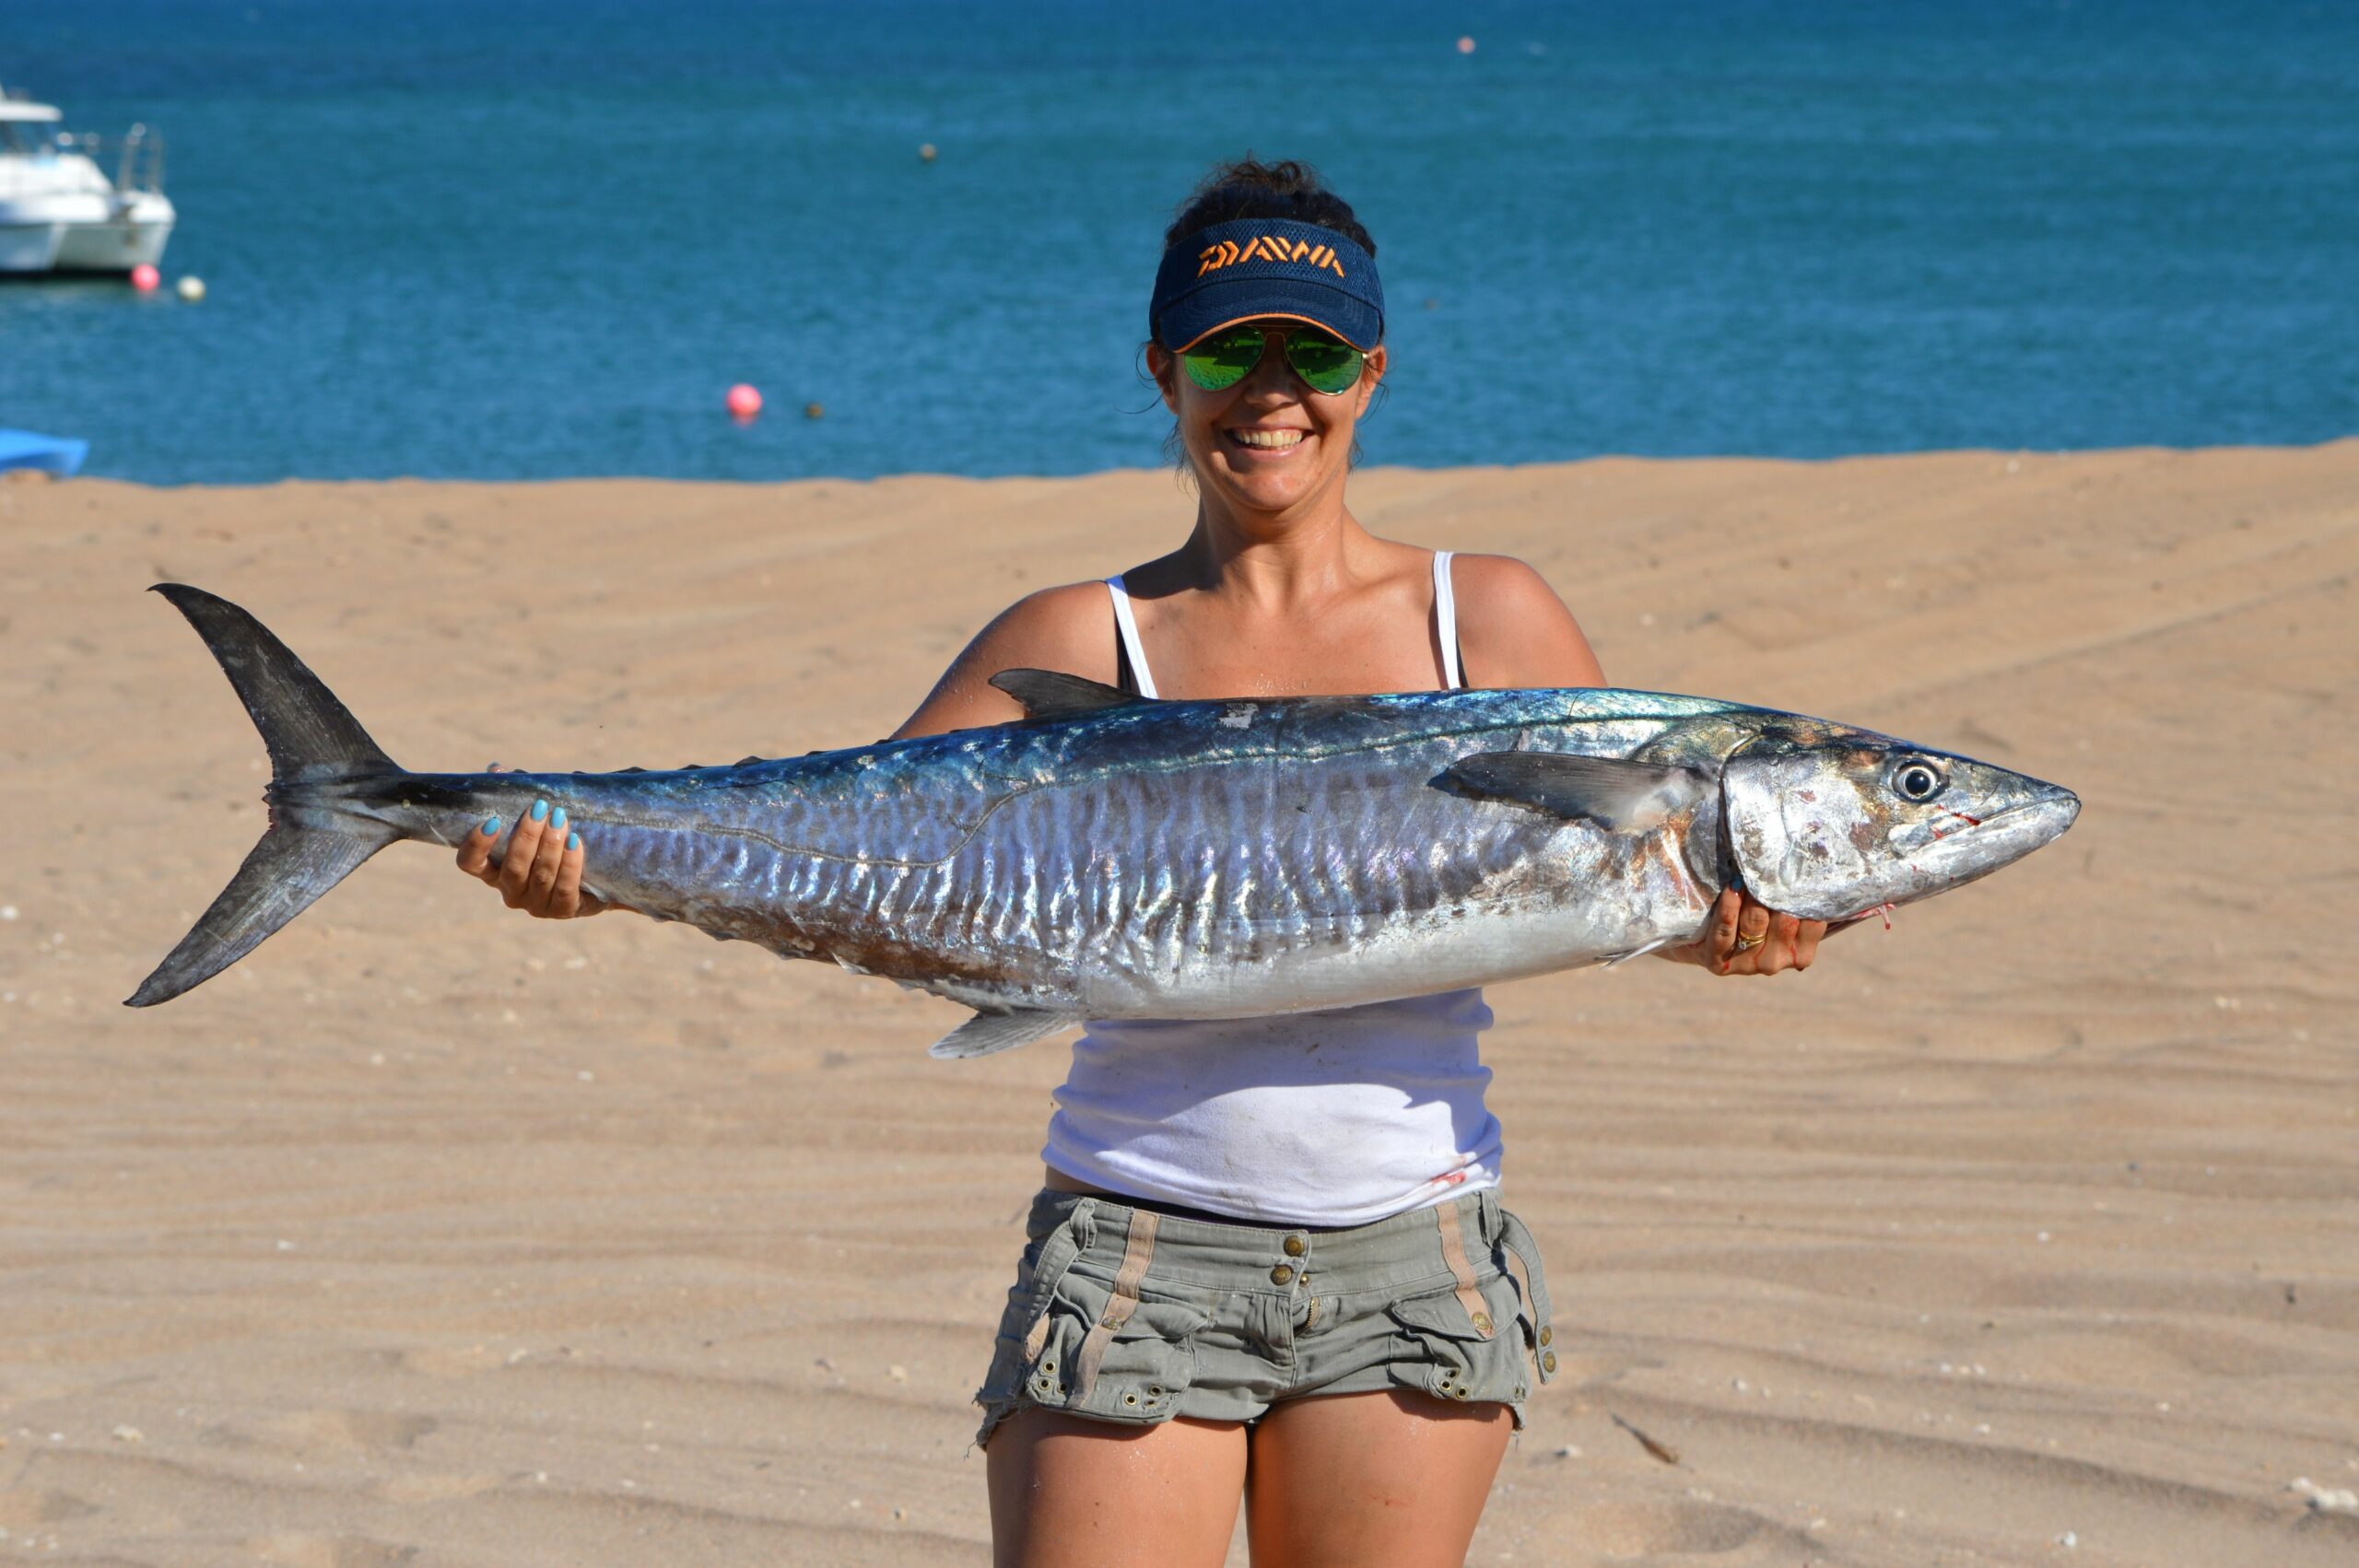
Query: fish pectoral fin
{"points": [[1615, 792], [1051, 694], [1615, 961], [988, 1032]]}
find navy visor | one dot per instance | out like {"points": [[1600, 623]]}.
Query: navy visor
{"points": [[1256, 267]]}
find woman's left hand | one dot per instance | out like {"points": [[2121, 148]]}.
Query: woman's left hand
{"points": [[1747, 937]]}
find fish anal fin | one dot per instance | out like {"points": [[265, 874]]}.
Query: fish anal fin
{"points": [[1615, 792], [1051, 694], [987, 1032]]}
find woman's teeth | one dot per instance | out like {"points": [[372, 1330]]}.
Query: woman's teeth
{"points": [[1272, 440]]}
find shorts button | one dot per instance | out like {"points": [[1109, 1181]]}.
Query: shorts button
{"points": [[1296, 1246], [1548, 1363], [1546, 1334], [1282, 1275], [1482, 1323]]}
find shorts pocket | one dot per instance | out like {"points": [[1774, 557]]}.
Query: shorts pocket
{"points": [[1447, 1356], [1134, 1372]]}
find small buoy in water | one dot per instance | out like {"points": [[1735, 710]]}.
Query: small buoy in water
{"points": [[743, 402], [145, 277], [191, 289], [925, 152], [1466, 46], [812, 411]]}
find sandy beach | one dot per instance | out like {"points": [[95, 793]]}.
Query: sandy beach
{"points": [[2025, 1233]]}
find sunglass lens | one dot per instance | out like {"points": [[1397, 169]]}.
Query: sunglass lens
{"points": [[1221, 361], [1326, 364]]}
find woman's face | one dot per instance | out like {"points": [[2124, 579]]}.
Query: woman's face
{"points": [[1269, 442]]}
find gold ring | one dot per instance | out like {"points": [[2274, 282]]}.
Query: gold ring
{"points": [[1747, 944]]}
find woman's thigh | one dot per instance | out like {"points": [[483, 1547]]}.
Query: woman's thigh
{"points": [[1071, 1492], [1390, 1480]]}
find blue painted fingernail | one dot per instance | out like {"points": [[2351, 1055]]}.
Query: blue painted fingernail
{"points": [[573, 841], [491, 825], [540, 811], [558, 820]]}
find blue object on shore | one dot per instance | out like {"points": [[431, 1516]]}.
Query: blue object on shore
{"points": [[60, 455]]}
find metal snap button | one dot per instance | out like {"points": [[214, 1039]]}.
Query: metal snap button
{"points": [[1482, 1323], [1548, 1361], [1296, 1246], [1546, 1334], [1283, 1274]]}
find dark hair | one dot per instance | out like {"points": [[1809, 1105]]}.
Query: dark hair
{"points": [[1246, 187]]}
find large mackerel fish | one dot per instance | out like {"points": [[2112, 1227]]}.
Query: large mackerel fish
{"points": [[1120, 858]]}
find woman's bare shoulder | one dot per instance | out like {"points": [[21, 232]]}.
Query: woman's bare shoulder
{"points": [[1069, 628], [1515, 629]]}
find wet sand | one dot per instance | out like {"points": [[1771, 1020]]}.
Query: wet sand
{"points": [[2025, 1233]]}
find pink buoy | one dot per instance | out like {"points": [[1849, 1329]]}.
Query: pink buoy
{"points": [[743, 402], [1466, 46], [145, 277]]}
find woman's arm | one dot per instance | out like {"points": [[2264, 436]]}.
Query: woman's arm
{"points": [[1514, 631], [1069, 628]]}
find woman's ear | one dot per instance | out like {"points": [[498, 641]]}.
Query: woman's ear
{"points": [[1162, 364], [1371, 372]]}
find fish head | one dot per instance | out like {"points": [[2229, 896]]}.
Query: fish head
{"points": [[1830, 826]]}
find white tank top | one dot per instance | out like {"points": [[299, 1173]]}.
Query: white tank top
{"points": [[1339, 1117]]}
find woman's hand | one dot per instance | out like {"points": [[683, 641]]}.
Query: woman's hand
{"points": [[1749, 938], [541, 874]]}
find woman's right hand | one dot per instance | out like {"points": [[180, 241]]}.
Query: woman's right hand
{"points": [[541, 873]]}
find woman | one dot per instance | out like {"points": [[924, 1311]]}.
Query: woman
{"points": [[1268, 1259]]}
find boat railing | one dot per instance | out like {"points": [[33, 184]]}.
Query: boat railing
{"points": [[138, 154]]}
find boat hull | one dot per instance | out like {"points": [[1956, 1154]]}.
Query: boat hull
{"points": [[82, 234]]}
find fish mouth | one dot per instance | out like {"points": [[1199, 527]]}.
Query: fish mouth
{"points": [[1993, 843], [2043, 817], [2000, 839]]}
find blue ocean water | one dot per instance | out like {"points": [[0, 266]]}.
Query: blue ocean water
{"points": [[541, 236]]}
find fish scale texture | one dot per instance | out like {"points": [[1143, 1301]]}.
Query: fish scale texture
{"points": [[1149, 858]]}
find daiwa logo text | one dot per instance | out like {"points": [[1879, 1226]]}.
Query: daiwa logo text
{"points": [[1267, 247]]}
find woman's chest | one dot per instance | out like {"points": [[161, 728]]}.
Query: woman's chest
{"points": [[1211, 653]]}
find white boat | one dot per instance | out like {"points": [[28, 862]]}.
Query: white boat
{"points": [[59, 211]]}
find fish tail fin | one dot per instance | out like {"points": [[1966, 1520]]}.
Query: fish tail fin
{"points": [[311, 739]]}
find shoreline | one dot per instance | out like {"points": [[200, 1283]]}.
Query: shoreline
{"points": [[2029, 1218], [1545, 466]]}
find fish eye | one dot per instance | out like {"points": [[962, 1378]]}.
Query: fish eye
{"points": [[1917, 780]]}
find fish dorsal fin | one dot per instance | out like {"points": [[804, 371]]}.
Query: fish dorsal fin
{"points": [[1615, 792], [988, 1032], [1051, 694]]}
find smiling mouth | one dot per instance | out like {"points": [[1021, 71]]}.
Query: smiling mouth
{"points": [[1266, 440]]}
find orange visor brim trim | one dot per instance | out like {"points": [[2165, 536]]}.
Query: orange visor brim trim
{"points": [[1269, 316]]}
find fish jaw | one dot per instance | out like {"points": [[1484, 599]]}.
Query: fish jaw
{"points": [[1992, 844], [1832, 830]]}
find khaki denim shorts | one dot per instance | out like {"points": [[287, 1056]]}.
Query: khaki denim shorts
{"points": [[1132, 1314]]}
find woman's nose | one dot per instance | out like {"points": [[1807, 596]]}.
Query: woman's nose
{"points": [[1271, 373]]}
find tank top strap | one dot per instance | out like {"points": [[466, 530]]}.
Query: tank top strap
{"points": [[1127, 626], [1446, 623]]}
